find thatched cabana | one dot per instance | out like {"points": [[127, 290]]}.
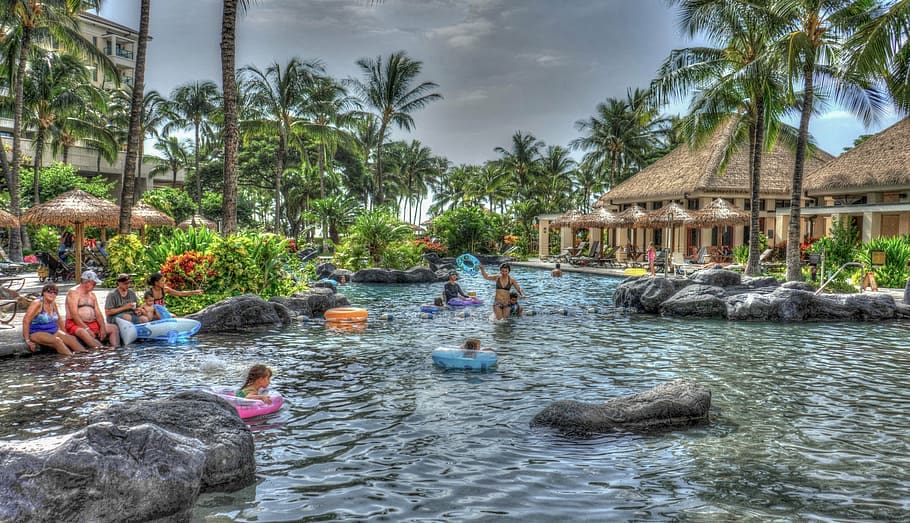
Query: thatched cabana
{"points": [[8, 220], [77, 208], [152, 218], [197, 220], [600, 218], [568, 219]]}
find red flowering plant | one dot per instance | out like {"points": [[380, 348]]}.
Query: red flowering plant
{"points": [[188, 270], [429, 245]]}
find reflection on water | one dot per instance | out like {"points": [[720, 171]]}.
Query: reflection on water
{"points": [[808, 421]]}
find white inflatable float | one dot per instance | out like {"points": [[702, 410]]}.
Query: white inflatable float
{"points": [[170, 330]]}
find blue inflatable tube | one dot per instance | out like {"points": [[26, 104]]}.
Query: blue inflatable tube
{"points": [[468, 263], [462, 359]]}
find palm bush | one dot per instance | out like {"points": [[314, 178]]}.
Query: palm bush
{"points": [[893, 273], [376, 230]]}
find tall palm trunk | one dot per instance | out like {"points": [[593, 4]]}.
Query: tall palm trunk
{"points": [[794, 269], [196, 172], [135, 132], [757, 138], [36, 164], [282, 156], [231, 132], [4, 162], [378, 193], [322, 162], [138, 168], [66, 153], [15, 238]]}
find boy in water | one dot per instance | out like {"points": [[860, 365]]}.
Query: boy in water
{"points": [[514, 307]]}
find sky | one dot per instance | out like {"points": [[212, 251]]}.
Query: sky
{"points": [[502, 66]]}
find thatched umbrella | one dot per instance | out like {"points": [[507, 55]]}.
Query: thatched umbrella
{"points": [[152, 217], [77, 208], [198, 220], [721, 213], [567, 219], [8, 220], [669, 216], [632, 217], [600, 218]]}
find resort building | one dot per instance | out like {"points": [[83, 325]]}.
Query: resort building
{"points": [[118, 42], [868, 185], [693, 178]]}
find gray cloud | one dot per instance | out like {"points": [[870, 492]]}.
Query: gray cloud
{"points": [[502, 65]]}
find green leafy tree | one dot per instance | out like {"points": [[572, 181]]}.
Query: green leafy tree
{"points": [[375, 230], [192, 106], [176, 203], [59, 178]]}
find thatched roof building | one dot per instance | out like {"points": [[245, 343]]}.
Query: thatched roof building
{"points": [[879, 163], [697, 172]]}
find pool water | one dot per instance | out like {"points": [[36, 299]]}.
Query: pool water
{"points": [[807, 422]]}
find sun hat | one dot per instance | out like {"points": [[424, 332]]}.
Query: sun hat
{"points": [[91, 276]]}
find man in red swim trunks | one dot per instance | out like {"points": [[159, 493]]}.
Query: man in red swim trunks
{"points": [[84, 317]]}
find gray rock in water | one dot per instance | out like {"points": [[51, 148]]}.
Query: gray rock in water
{"points": [[717, 277], [674, 404], [101, 473], [379, 275], [239, 313], [312, 303], [224, 438], [700, 301], [646, 294], [324, 270]]}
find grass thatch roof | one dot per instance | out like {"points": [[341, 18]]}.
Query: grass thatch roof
{"points": [[882, 160], [721, 213], [77, 207], [197, 220], [152, 216], [696, 171], [8, 220]]}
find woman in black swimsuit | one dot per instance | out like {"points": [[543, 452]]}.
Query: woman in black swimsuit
{"points": [[504, 283]]}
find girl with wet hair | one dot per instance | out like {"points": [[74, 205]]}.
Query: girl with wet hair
{"points": [[257, 380]]}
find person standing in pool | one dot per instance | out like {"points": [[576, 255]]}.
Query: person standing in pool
{"points": [[452, 290], [504, 283]]}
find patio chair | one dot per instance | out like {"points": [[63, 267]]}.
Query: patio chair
{"points": [[609, 257], [587, 259]]}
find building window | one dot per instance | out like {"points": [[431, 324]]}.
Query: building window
{"points": [[849, 199], [781, 204], [891, 197]]}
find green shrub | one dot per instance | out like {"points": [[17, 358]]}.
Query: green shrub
{"points": [[45, 239], [467, 229], [258, 263], [377, 229], [838, 248], [351, 255], [402, 256], [897, 255], [126, 254], [197, 239]]}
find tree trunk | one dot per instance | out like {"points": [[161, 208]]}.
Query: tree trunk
{"points": [[231, 132], [282, 155], [135, 132], [322, 172], [66, 153], [139, 168], [794, 268], [196, 173], [757, 137], [4, 162], [36, 164], [377, 200], [15, 237]]}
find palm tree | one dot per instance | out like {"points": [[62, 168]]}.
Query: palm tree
{"points": [[325, 116], [387, 90], [413, 165], [554, 181], [154, 116], [174, 156], [621, 133], [520, 159], [588, 182], [336, 213], [814, 43], [31, 22], [736, 92], [276, 96], [880, 47], [56, 86], [192, 105]]}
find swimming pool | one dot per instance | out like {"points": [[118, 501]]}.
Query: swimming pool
{"points": [[808, 421]]}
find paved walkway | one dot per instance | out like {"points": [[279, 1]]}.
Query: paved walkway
{"points": [[11, 341]]}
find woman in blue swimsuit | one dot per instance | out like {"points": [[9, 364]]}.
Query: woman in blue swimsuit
{"points": [[42, 325], [504, 284]]}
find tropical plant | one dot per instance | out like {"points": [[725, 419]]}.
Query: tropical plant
{"points": [[893, 273], [467, 229], [126, 254], [44, 239], [839, 247], [402, 255], [197, 239], [173, 157], [336, 213], [520, 159], [375, 230], [387, 89], [59, 178], [176, 203]]}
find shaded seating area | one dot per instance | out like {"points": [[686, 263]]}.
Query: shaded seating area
{"points": [[586, 259]]}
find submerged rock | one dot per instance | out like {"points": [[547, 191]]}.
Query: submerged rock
{"points": [[677, 403]]}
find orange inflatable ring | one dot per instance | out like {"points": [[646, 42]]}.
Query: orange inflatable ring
{"points": [[346, 314]]}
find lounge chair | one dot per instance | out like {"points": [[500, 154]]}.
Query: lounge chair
{"points": [[609, 257], [587, 259]]}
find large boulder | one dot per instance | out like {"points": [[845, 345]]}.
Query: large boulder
{"points": [[717, 277], [240, 313], [674, 404], [646, 294], [380, 275], [312, 303], [700, 301], [224, 439], [324, 270], [104, 472]]}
